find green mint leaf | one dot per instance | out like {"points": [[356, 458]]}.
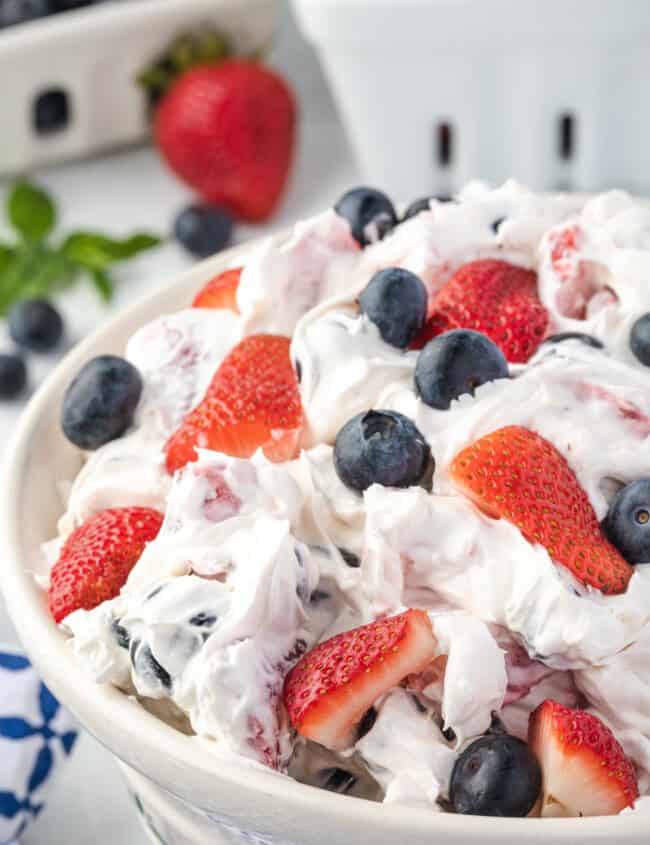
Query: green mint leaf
{"points": [[6, 256], [103, 284], [34, 271], [31, 211], [97, 252]]}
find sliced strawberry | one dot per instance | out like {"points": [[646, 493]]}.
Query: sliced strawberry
{"points": [[252, 403], [330, 689], [97, 558], [516, 474], [220, 292], [493, 297], [584, 769]]}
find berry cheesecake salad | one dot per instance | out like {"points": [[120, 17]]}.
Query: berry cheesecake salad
{"points": [[373, 511]]}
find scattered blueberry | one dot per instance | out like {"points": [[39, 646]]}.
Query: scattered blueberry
{"points": [[627, 524], [640, 339], [496, 223], [587, 339], [395, 300], [50, 111], [350, 558], [370, 213], [203, 620], [100, 402], [35, 324], [13, 376], [455, 363], [424, 204], [203, 229], [380, 447], [21, 11], [497, 775]]}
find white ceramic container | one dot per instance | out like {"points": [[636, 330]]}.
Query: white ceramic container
{"points": [[437, 92], [92, 56], [185, 795]]}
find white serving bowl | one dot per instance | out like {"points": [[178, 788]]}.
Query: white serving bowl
{"points": [[187, 796]]}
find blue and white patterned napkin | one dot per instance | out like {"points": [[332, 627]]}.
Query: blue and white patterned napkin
{"points": [[36, 735]]}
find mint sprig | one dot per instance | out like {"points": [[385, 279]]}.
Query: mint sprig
{"points": [[34, 267]]}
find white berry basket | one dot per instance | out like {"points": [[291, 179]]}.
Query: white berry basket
{"points": [[437, 92], [89, 60]]}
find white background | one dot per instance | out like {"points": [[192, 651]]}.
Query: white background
{"points": [[131, 190]]}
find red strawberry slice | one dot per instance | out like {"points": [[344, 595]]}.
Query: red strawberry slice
{"points": [[493, 297], [97, 557], [584, 769], [330, 689], [252, 403], [220, 292], [227, 130], [516, 474]]}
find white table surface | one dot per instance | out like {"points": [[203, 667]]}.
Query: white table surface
{"points": [[126, 191]]}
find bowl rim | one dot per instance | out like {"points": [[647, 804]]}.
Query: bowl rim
{"points": [[48, 647]]}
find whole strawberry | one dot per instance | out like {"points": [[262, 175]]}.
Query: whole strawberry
{"points": [[98, 556], [227, 130]]}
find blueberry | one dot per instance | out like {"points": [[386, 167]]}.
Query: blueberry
{"points": [[13, 376], [587, 339], [380, 447], [424, 204], [395, 300], [350, 558], [51, 111], [121, 634], [100, 402], [203, 229], [497, 775], [627, 524], [35, 324], [203, 619], [455, 363], [21, 11], [640, 339], [370, 213], [336, 780], [145, 664]]}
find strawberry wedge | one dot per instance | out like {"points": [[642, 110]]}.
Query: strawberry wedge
{"points": [[516, 474], [330, 689], [220, 292], [584, 769], [252, 403]]}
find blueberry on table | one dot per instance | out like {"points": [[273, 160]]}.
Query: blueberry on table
{"points": [[640, 339], [395, 300], [497, 775], [203, 229], [21, 11], [455, 363], [13, 376], [369, 212], [587, 339], [627, 524], [35, 325], [380, 447], [100, 402]]}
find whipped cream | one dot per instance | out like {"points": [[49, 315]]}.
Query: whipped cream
{"points": [[256, 562]]}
